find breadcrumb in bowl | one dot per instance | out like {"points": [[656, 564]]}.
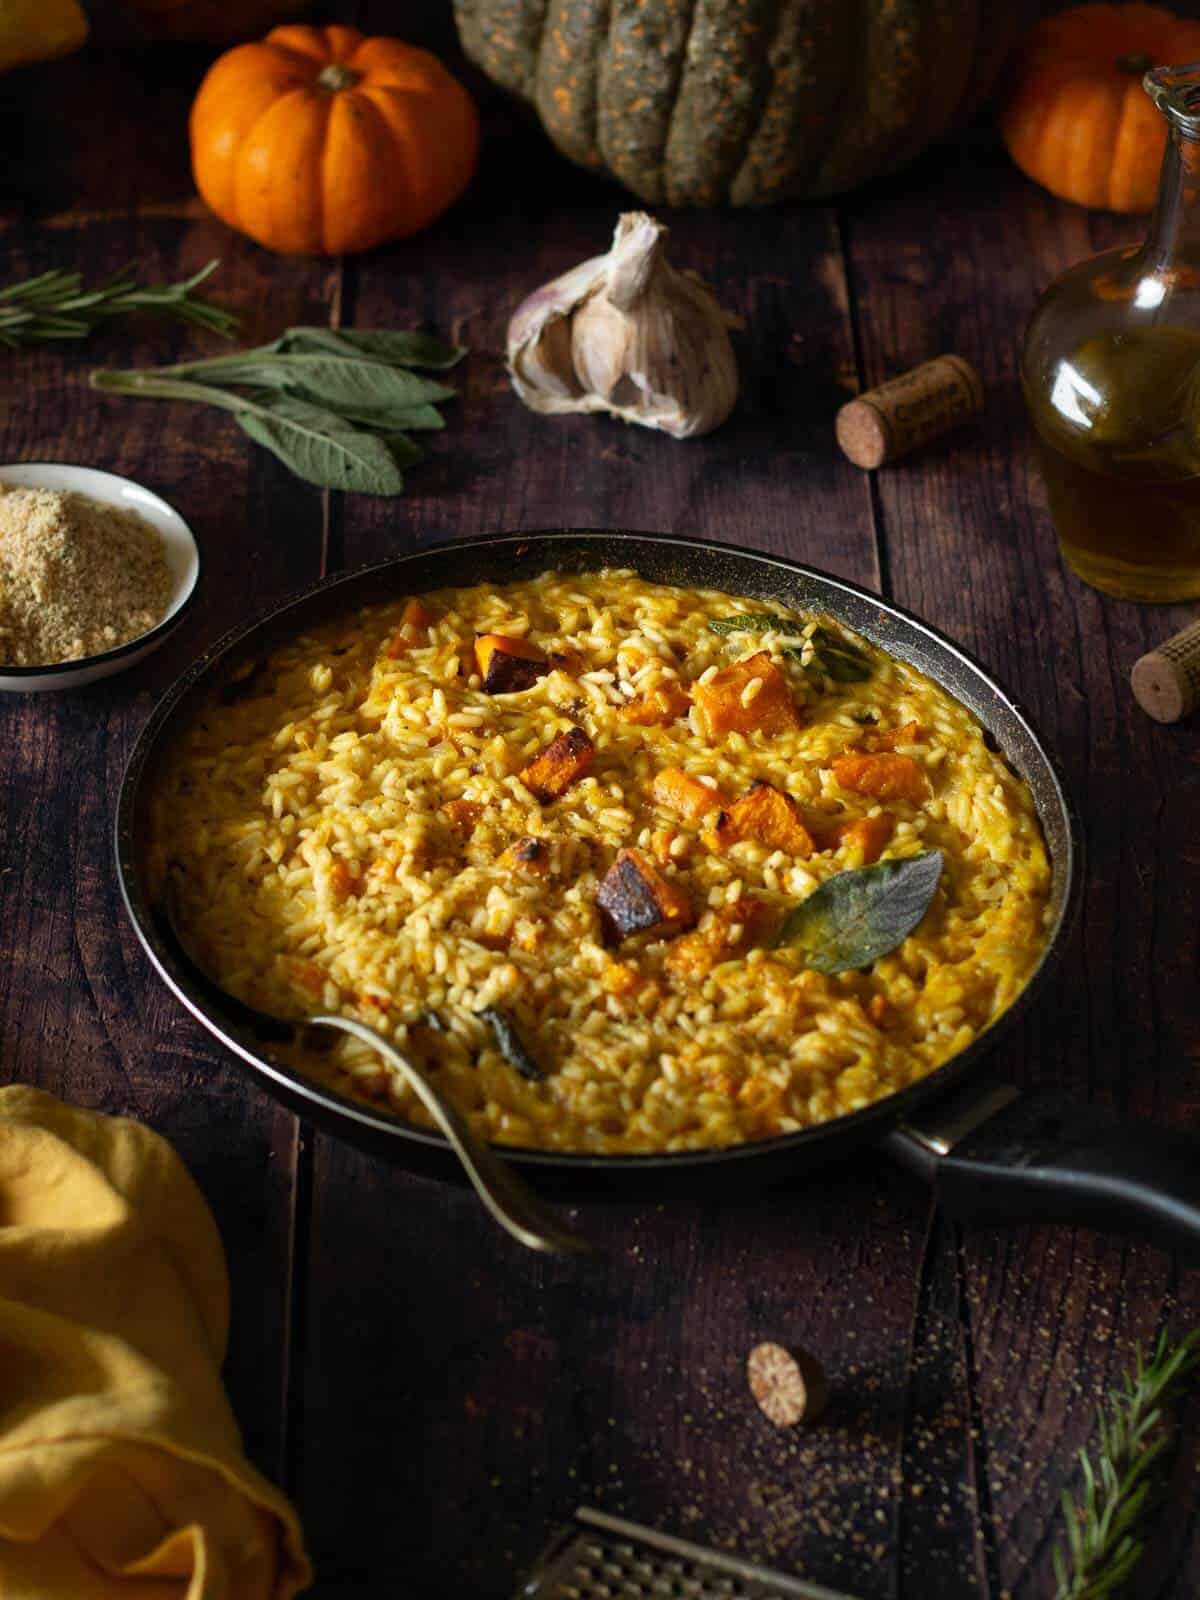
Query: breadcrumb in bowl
{"points": [[96, 571]]}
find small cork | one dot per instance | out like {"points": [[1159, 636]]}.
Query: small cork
{"points": [[886, 423], [789, 1385], [1166, 681]]}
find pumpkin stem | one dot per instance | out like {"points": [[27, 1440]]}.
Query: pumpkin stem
{"points": [[337, 76], [1135, 63]]}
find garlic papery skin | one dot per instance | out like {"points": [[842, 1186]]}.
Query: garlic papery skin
{"points": [[627, 334]]}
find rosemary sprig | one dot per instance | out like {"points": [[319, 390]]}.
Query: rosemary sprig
{"points": [[55, 305], [1104, 1528]]}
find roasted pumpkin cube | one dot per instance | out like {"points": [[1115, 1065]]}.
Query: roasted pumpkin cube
{"points": [[564, 760], [726, 931], [509, 665], [883, 777], [634, 897], [568, 661], [751, 696], [462, 814], [658, 707], [343, 881], [870, 835], [528, 855], [768, 816], [415, 621], [889, 738], [677, 791]]}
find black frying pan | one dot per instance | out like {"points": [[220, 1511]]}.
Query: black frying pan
{"points": [[991, 1153]]}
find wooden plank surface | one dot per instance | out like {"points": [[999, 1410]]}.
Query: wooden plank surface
{"points": [[80, 1012], [1051, 1315], [435, 1398]]}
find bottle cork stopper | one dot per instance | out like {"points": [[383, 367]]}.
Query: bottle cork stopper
{"points": [[907, 411], [1166, 681]]}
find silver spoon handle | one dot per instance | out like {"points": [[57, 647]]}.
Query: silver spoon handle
{"points": [[511, 1202]]}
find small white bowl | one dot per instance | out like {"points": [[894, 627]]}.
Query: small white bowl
{"points": [[183, 563]]}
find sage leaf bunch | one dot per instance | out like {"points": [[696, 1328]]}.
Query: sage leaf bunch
{"points": [[821, 653], [856, 917], [336, 405]]}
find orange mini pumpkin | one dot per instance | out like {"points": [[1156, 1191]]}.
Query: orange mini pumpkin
{"points": [[317, 141], [1078, 121]]}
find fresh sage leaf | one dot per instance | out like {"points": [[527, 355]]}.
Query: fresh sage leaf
{"points": [[419, 418], [337, 381], [320, 448], [856, 917], [411, 418], [330, 380], [414, 419], [254, 370], [393, 346], [405, 451]]}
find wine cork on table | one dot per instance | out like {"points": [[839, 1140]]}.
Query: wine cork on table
{"points": [[888, 422], [1166, 681]]}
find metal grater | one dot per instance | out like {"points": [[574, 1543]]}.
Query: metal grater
{"points": [[599, 1557]]}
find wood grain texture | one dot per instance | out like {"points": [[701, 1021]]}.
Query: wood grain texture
{"points": [[435, 1398], [1052, 1315], [80, 1012]]}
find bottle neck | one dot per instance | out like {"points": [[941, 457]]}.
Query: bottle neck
{"points": [[1173, 243], [1174, 232]]}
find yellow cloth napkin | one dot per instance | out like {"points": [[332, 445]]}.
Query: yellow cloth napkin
{"points": [[121, 1469]]}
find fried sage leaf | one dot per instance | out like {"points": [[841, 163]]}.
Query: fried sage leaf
{"points": [[752, 622], [857, 917], [510, 1044], [835, 658], [823, 654]]}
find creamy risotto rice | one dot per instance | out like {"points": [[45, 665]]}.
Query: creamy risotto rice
{"points": [[493, 800]]}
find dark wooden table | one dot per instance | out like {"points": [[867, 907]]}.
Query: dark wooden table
{"points": [[433, 1397]]}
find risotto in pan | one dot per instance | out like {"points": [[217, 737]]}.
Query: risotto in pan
{"points": [[552, 839]]}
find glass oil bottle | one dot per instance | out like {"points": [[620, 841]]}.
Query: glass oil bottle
{"points": [[1110, 369]]}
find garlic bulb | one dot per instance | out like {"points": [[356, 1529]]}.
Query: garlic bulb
{"points": [[628, 334]]}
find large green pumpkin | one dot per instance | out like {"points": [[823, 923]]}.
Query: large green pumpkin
{"points": [[708, 102]]}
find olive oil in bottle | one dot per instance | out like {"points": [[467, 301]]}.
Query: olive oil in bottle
{"points": [[1110, 369]]}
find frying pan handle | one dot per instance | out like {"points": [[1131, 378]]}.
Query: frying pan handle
{"points": [[1004, 1157]]}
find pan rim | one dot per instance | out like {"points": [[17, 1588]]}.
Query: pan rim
{"points": [[854, 1126]]}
